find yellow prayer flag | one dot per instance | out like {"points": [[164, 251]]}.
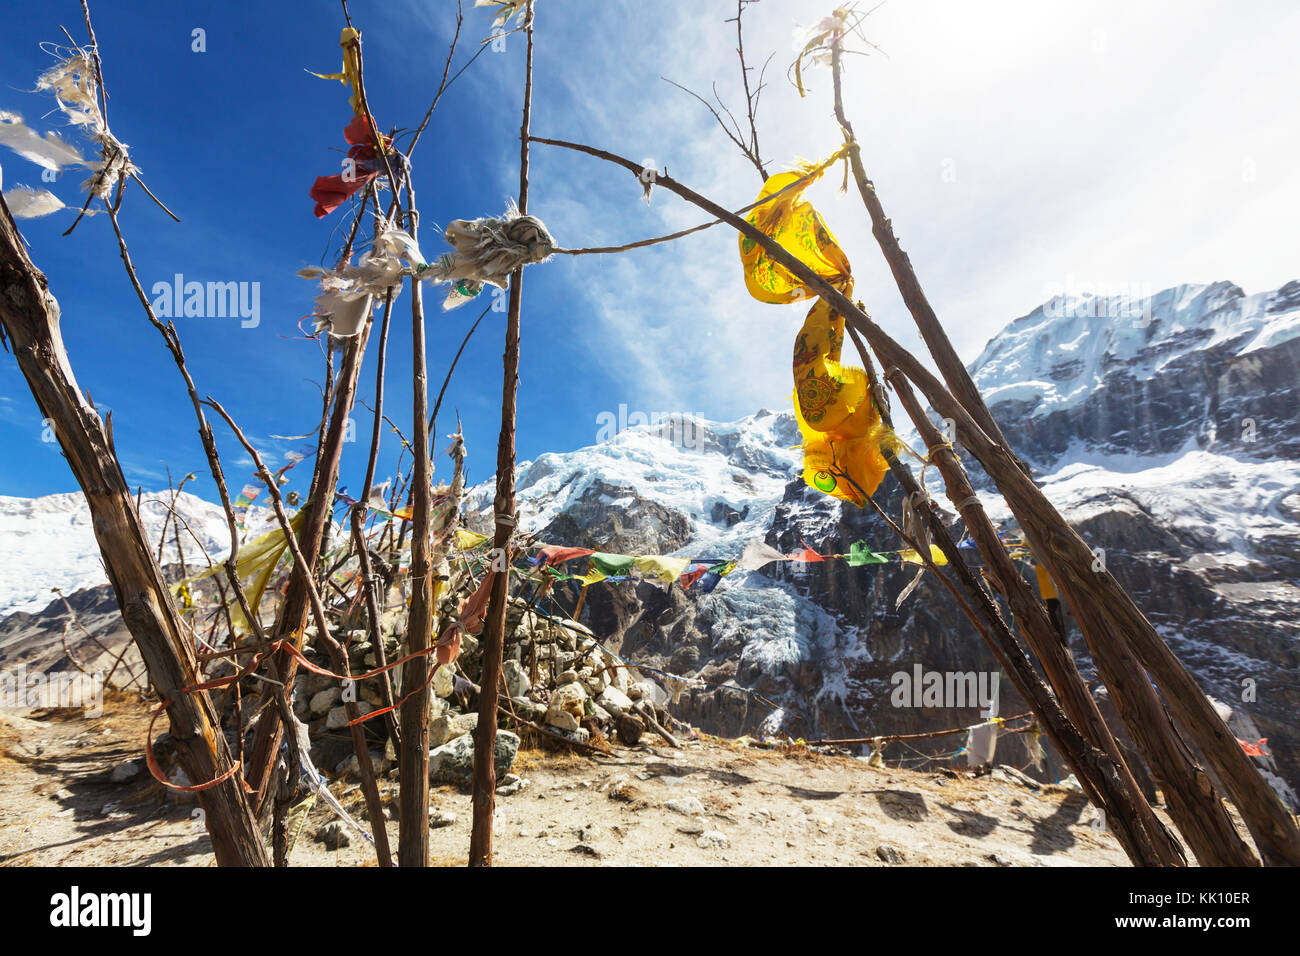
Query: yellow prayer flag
{"points": [[911, 557], [351, 72], [840, 424], [657, 566], [468, 540], [591, 577]]}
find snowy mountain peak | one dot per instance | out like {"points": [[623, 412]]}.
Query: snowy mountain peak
{"points": [[723, 478], [1062, 352], [49, 542]]}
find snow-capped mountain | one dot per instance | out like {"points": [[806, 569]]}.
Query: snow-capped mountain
{"points": [[1194, 366], [49, 542]]}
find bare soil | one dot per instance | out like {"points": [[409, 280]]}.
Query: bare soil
{"points": [[59, 806]]}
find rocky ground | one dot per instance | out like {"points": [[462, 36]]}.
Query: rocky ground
{"points": [[72, 792]]}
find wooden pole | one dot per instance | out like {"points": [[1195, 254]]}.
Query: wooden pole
{"points": [[296, 606], [365, 768], [484, 787], [413, 798], [29, 318], [1193, 801], [1102, 777]]}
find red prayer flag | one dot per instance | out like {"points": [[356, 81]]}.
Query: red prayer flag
{"points": [[693, 574], [807, 554], [554, 554], [1255, 749]]}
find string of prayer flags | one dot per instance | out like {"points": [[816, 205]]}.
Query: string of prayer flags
{"points": [[840, 423], [911, 557], [711, 578], [247, 494], [244, 500], [692, 574], [554, 554], [806, 555], [591, 577]]}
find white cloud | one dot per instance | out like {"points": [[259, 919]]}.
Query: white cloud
{"points": [[1113, 143]]}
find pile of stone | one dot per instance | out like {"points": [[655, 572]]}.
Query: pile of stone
{"points": [[558, 680]]}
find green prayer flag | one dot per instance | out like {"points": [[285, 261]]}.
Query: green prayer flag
{"points": [[860, 554], [612, 564]]}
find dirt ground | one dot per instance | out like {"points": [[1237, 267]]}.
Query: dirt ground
{"points": [[710, 804]]}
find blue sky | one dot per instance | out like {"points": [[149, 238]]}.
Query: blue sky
{"points": [[1021, 149]]}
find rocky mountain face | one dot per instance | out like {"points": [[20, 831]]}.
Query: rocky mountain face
{"points": [[1164, 428]]}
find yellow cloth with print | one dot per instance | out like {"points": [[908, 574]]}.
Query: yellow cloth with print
{"points": [[839, 422]]}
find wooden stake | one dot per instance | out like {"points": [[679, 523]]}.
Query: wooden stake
{"points": [[29, 318], [413, 798], [1193, 801], [484, 787]]}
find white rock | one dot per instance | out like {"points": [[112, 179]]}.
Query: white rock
{"points": [[648, 690], [440, 818], [449, 726], [687, 806], [567, 698], [338, 718], [712, 840], [614, 700], [563, 720], [517, 682], [125, 772], [322, 702], [444, 681]]}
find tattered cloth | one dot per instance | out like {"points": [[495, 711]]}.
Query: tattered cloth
{"points": [[330, 192], [487, 251], [72, 83]]}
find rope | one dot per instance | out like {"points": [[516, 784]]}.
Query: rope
{"points": [[1001, 721], [641, 243]]}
